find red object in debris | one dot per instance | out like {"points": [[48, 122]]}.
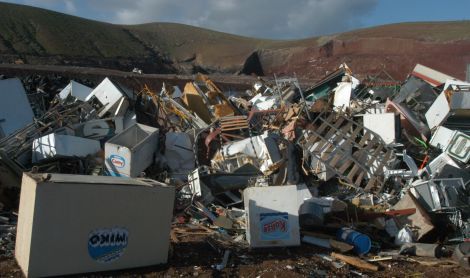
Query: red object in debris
{"points": [[425, 161], [401, 212], [181, 219], [289, 131], [278, 225], [220, 211]]}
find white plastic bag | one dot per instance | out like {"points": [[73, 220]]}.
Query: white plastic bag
{"points": [[405, 235]]}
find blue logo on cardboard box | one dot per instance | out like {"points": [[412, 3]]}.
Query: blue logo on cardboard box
{"points": [[107, 245], [117, 160], [274, 226]]}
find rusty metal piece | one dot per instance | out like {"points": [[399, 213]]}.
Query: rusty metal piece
{"points": [[401, 212]]}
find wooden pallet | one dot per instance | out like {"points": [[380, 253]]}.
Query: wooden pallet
{"points": [[335, 136]]}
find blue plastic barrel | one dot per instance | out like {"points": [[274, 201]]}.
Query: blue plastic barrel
{"points": [[361, 242]]}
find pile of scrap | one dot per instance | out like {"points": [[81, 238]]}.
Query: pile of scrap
{"points": [[361, 169]]}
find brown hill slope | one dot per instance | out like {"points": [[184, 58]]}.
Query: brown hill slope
{"points": [[444, 46], [39, 36]]}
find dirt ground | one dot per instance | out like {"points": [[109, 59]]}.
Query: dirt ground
{"points": [[195, 257]]}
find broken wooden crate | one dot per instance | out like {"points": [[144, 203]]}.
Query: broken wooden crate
{"points": [[353, 152]]}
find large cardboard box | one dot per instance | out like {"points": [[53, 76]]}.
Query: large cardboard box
{"points": [[72, 224]]}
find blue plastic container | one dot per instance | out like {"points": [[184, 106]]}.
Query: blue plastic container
{"points": [[361, 242]]}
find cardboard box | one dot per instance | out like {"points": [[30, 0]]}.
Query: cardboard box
{"points": [[272, 216], [72, 224], [60, 145], [131, 151]]}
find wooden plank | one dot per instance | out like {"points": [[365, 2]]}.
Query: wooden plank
{"points": [[174, 237], [233, 125], [373, 156], [321, 128], [336, 158], [327, 136], [386, 158], [334, 128], [327, 157], [324, 124], [339, 138], [370, 184], [346, 129], [365, 138], [338, 149], [359, 178], [233, 128], [245, 125], [231, 118], [356, 131], [345, 166], [353, 171], [355, 262], [233, 121]]}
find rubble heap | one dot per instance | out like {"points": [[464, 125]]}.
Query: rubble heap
{"points": [[369, 169]]}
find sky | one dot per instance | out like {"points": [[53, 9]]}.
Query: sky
{"points": [[273, 19]]}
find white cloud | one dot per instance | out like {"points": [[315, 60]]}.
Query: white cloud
{"points": [[70, 6], [67, 6], [256, 18]]}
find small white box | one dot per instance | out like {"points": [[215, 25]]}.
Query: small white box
{"points": [[131, 151], [272, 214], [76, 90], [385, 125], [53, 145], [452, 142], [110, 96]]}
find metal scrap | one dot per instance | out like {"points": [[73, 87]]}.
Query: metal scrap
{"points": [[370, 163]]}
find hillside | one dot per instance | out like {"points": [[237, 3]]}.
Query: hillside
{"points": [[37, 36], [40, 36]]}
